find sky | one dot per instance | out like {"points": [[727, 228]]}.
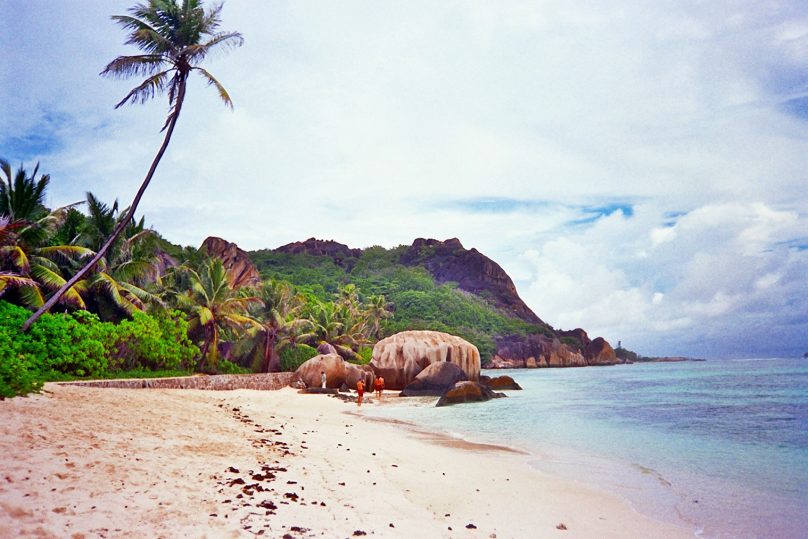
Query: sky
{"points": [[639, 168]]}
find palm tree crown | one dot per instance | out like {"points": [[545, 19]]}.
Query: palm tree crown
{"points": [[22, 196], [175, 39]]}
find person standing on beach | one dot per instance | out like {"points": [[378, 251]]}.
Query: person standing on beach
{"points": [[378, 385], [360, 389], [322, 379]]}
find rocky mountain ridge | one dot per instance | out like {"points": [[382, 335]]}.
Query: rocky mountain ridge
{"points": [[475, 273]]}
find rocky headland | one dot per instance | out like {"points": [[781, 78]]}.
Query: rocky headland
{"points": [[449, 261]]}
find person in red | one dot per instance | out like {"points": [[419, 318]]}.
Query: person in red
{"points": [[378, 385], [360, 389]]}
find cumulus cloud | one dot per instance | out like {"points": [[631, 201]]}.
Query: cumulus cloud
{"points": [[723, 282]]}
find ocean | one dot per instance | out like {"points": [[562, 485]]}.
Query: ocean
{"points": [[718, 446]]}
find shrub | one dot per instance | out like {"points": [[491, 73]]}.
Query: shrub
{"points": [[19, 374], [70, 343], [228, 367], [156, 342], [293, 357]]}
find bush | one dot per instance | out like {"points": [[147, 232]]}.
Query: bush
{"points": [[70, 343], [58, 344], [293, 357], [228, 367], [19, 373], [158, 342]]}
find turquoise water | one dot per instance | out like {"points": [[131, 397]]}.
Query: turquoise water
{"points": [[718, 446]]}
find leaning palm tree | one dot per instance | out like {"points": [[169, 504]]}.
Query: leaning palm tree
{"points": [[175, 38]]}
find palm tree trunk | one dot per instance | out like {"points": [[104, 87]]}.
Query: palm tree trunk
{"points": [[122, 224], [204, 356], [273, 360]]}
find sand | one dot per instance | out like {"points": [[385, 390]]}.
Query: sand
{"points": [[91, 462]]}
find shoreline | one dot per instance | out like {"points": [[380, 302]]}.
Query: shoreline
{"points": [[83, 461], [564, 463]]}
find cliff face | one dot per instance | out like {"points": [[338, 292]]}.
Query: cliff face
{"points": [[532, 351], [240, 269], [472, 271]]}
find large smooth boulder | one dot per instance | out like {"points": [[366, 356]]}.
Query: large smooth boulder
{"points": [[354, 373], [435, 380], [326, 348], [467, 391], [400, 357], [333, 365]]}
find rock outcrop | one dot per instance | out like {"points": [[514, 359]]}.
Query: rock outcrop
{"points": [[434, 380], [240, 269], [472, 271], [475, 273], [341, 254], [400, 357], [500, 383], [537, 351], [600, 352], [333, 365], [467, 391]]}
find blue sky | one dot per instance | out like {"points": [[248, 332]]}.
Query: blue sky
{"points": [[639, 168]]}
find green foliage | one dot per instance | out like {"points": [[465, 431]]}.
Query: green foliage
{"points": [[19, 372], [627, 355], [75, 345], [316, 275], [363, 355], [411, 293], [293, 357], [158, 342], [228, 367]]}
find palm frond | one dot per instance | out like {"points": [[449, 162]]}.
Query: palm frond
{"points": [[146, 90], [53, 281], [203, 314], [215, 83], [26, 287], [16, 256], [142, 34], [65, 253], [137, 65], [110, 287], [223, 41]]}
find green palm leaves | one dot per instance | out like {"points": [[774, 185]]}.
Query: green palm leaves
{"points": [[176, 38], [213, 306], [21, 195]]}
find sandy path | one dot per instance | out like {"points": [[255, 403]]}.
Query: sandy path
{"points": [[86, 462]]}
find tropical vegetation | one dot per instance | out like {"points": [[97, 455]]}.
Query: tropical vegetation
{"points": [[174, 39]]}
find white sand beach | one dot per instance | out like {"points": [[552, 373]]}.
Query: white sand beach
{"points": [[90, 462]]}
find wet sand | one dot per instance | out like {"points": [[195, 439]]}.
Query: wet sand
{"points": [[90, 462]]}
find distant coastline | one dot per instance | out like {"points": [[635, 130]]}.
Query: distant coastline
{"points": [[667, 359]]}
